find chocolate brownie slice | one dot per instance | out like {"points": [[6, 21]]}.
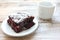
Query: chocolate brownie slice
{"points": [[19, 21]]}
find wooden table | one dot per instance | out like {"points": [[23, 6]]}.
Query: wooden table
{"points": [[46, 31]]}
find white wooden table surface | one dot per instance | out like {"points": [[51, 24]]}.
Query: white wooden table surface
{"points": [[46, 31]]}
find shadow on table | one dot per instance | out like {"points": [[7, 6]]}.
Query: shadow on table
{"points": [[28, 37]]}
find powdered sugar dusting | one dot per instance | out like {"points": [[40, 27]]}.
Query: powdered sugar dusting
{"points": [[18, 17]]}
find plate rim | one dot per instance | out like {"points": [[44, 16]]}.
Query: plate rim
{"points": [[19, 35]]}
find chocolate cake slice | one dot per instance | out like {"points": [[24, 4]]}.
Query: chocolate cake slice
{"points": [[19, 21], [29, 25]]}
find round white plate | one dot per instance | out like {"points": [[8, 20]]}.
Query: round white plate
{"points": [[9, 31]]}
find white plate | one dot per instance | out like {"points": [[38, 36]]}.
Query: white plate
{"points": [[8, 30]]}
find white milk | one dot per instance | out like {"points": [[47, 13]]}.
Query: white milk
{"points": [[46, 10]]}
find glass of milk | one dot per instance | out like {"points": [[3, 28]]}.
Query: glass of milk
{"points": [[46, 10]]}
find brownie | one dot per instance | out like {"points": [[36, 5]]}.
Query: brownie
{"points": [[19, 21], [29, 25], [14, 26]]}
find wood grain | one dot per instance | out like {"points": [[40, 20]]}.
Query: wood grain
{"points": [[46, 31]]}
